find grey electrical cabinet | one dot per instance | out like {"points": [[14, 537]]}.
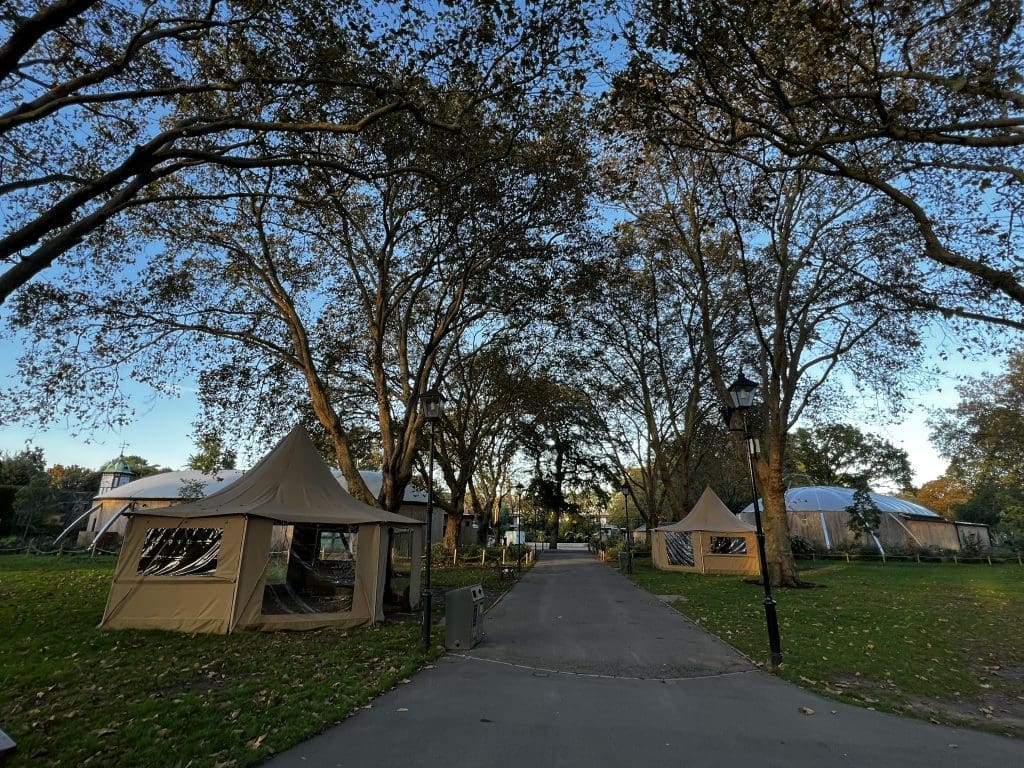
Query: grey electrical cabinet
{"points": [[463, 617]]}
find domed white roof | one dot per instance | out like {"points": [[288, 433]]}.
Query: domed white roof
{"points": [[375, 480], [168, 485], [825, 498]]}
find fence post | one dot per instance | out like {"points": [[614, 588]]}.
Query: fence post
{"points": [[955, 561]]}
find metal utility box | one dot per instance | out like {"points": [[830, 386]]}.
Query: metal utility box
{"points": [[463, 617]]}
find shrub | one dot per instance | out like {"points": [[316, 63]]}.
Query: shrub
{"points": [[971, 545], [438, 554], [801, 545]]}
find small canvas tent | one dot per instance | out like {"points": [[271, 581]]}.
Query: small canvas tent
{"points": [[710, 539], [282, 547]]}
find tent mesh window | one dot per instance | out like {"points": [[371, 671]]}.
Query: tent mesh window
{"points": [[728, 545], [180, 552], [680, 548], [312, 569]]}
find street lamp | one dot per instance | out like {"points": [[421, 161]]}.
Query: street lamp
{"points": [[625, 504], [741, 392], [430, 403], [519, 527]]}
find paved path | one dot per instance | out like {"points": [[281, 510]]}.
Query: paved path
{"points": [[579, 668]]}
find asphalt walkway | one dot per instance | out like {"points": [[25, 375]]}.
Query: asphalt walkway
{"points": [[579, 668]]}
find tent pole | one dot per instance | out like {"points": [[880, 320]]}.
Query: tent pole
{"points": [[77, 520], [109, 523]]}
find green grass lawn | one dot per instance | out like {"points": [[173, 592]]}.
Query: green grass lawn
{"points": [[73, 695], [939, 641]]}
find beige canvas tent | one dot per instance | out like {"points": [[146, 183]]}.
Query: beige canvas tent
{"points": [[710, 539], [283, 547]]}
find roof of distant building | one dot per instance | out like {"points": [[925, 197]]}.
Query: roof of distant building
{"points": [[174, 485], [823, 498]]}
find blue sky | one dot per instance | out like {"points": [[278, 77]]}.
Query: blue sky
{"points": [[161, 432]]}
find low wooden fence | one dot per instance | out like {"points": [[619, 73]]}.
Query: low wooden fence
{"points": [[918, 557]]}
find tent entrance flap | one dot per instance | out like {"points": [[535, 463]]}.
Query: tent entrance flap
{"points": [[312, 569]]}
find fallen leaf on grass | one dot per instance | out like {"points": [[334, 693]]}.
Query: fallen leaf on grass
{"points": [[257, 742]]}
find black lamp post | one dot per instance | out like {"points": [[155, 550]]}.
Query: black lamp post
{"points": [[431, 403], [741, 392], [519, 526], [629, 544]]}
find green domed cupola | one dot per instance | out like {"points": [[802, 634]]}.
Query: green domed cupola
{"points": [[115, 474]]}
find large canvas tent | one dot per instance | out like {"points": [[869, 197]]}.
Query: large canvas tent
{"points": [[282, 547], [819, 515], [710, 539], [168, 488]]}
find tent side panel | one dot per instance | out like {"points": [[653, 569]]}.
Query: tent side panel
{"points": [[969, 533], [838, 522], [937, 533], [416, 566], [700, 545], [371, 565], [131, 549], [806, 526], [892, 534], [182, 603], [252, 571], [659, 557]]}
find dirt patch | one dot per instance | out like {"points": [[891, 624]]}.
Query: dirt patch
{"points": [[992, 711], [1000, 708]]}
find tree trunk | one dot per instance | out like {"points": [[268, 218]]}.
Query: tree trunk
{"points": [[452, 524], [782, 570]]}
